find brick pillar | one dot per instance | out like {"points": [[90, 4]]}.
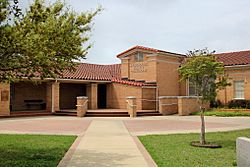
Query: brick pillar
{"points": [[82, 105], [88, 93], [52, 96], [56, 87], [161, 105], [48, 96], [4, 99], [92, 95], [131, 106]]}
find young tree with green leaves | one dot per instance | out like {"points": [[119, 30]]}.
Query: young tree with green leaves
{"points": [[207, 74], [44, 41]]}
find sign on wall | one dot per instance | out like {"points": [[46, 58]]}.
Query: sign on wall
{"points": [[138, 67], [4, 95]]}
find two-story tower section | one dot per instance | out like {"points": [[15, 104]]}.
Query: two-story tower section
{"points": [[153, 66]]}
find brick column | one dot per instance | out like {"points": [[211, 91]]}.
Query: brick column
{"points": [[56, 87], [52, 96], [82, 103], [131, 106], [4, 99], [48, 97], [92, 95]]}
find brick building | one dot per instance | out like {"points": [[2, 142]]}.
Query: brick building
{"points": [[145, 73]]}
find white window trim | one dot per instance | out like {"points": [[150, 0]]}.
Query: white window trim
{"points": [[188, 86], [234, 91]]}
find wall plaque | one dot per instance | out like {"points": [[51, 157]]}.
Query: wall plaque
{"points": [[138, 67], [4, 95]]}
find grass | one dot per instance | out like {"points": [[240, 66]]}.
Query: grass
{"points": [[224, 114], [33, 150], [175, 150]]}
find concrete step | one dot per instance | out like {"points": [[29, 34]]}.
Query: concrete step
{"points": [[107, 114], [148, 113], [26, 114], [65, 113]]}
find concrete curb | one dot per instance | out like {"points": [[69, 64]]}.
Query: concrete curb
{"points": [[146, 155], [67, 157]]}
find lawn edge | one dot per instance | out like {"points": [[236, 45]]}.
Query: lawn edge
{"points": [[67, 157], [150, 161]]}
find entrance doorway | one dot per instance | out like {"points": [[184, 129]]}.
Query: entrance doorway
{"points": [[102, 96], [68, 94]]}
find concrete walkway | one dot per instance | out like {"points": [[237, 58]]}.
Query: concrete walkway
{"points": [[104, 142], [107, 143]]}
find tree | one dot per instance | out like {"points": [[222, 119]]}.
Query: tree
{"points": [[207, 74], [44, 41]]}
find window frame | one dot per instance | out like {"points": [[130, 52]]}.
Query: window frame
{"points": [[241, 91], [194, 86], [139, 57]]}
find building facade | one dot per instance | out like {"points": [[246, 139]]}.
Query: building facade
{"points": [[145, 73]]}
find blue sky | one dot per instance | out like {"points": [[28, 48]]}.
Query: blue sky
{"points": [[171, 25]]}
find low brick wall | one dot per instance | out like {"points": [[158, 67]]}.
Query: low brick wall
{"points": [[187, 105], [243, 153], [183, 105], [168, 105]]}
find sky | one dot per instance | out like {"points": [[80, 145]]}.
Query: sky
{"points": [[170, 25]]}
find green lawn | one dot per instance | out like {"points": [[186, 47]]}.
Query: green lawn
{"points": [[33, 150], [224, 114], [175, 150]]}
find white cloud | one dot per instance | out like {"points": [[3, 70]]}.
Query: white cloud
{"points": [[172, 25]]}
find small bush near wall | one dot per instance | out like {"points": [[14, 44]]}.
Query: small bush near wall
{"points": [[216, 104], [239, 104]]}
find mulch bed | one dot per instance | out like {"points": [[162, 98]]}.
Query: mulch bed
{"points": [[206, 145]]}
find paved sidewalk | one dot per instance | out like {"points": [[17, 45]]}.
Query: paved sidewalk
{"points": [[104, 142], [107, 143]]}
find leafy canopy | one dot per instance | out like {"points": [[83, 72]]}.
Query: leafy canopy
{"points": [[202, 68], [44, 41]]}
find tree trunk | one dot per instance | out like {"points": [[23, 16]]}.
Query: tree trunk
{"points": [[202, 135]]}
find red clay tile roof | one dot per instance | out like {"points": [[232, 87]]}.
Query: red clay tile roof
{"points": [[234, 58], [146, 49], [85, 71], [111, 73]]}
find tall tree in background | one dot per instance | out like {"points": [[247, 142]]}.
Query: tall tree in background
{"points": [[207, 75], [44, 42]]}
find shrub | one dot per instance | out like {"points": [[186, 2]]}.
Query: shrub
{"points": [[216, 104], [239, 104]]}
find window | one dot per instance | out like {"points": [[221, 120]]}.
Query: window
{"points": [[239, 89], [191, 88], [139, 57]]}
